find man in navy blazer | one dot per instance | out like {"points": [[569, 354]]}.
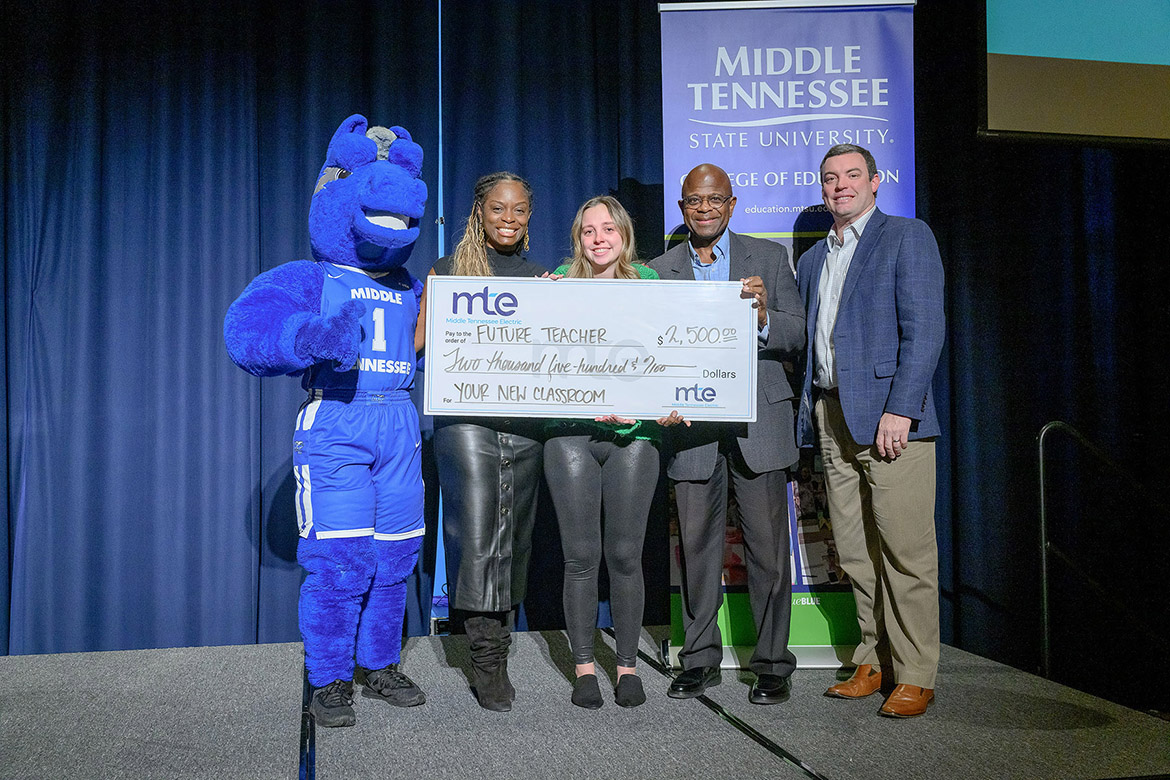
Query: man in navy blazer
{"points": [[705, 457], [873, 294]]}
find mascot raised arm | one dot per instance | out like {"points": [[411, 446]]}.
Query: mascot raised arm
{"points": [[344, 322]]}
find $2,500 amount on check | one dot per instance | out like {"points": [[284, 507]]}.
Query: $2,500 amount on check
{"points": [[504, 347]]}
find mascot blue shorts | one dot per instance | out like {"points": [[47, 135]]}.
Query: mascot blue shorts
{"points": [[344, 322]]}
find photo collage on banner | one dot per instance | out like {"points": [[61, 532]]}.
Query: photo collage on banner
{"points": [[763, 93]]}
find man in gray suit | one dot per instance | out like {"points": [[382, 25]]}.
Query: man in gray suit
{"points": [[755, 455]]}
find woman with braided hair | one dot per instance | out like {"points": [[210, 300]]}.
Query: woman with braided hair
{"points": [[489, 468]]}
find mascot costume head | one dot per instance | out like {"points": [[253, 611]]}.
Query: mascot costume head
{"points": [[368, 198], [345, 323]]}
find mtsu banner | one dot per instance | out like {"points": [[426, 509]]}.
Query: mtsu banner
{"points": [[764, 92]]}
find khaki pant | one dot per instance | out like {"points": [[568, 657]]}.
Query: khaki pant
{"points": [[883, 523]]}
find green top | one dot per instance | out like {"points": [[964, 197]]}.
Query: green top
{"points": [[644, 271], [639, 429]]}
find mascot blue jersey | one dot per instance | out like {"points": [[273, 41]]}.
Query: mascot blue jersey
{"points": [[386, 356]]}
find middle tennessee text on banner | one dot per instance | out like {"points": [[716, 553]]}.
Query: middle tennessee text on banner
{"points": [[764, 93], [586, 348]]}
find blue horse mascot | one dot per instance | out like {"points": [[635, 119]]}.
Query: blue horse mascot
{"points": [[344, 322]]}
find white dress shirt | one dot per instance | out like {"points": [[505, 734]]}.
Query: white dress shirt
{"points": [[837, 261]]}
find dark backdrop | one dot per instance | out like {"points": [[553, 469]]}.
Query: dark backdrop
{"points": [[1057, 282], [159, 156]]}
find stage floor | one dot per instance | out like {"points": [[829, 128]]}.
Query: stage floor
{"points": [[226, 712]]}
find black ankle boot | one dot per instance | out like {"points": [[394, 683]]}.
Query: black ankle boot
{"points": [[488, 639], [505, 642]]}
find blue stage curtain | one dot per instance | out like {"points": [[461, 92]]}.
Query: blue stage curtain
{"points": [[570, 100], [131, 224], [158, 157]]}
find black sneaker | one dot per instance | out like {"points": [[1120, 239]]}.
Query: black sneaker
{"points": [[392, 686], [332, 705]]}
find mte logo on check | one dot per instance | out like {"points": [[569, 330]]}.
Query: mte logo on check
{"points": [[695, 393], [499, 304]]}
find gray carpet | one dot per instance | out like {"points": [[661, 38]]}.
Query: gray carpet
{"points": [[209, 712], [544, 736], [226, 712], [988, 721]]}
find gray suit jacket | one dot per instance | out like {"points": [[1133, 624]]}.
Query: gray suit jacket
{"points": [[769, 443]]}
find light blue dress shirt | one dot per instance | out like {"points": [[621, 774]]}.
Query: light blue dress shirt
{"points": [[719, 269]]}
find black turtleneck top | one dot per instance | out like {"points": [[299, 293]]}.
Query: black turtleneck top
{"points": [[502, 265]]}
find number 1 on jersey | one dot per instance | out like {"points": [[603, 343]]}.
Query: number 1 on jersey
{"points": [[379, 342]]}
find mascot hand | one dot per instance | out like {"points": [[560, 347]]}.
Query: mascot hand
{"points": [[333, 338]]}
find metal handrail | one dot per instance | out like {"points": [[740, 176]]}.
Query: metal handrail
{"points": [[1046, 546]]}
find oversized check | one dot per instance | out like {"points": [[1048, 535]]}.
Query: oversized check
{"points": [[506, 347]]}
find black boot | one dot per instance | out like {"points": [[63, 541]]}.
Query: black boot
{"points": [[505, 639], [488, 640]]}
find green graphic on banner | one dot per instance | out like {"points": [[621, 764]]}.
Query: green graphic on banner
{"points": [[824, 627], [820, 620]]}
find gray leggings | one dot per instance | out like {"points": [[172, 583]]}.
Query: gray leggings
{"points": [[588, 477]]}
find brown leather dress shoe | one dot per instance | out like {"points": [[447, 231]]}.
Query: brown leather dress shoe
{"points": [[865, 680], [907, 701]]}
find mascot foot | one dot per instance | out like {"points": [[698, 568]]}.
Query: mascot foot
{"points": [[391, 686], [488, 640], [332, 705]]}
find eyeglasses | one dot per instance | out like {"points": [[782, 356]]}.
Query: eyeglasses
{"points": [[715, 201]]}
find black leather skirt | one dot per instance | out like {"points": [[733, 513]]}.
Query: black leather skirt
{"points": [[489, 478]]}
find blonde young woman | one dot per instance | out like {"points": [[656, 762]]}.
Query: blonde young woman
{"points": [[489, 468], [601, 475]]}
